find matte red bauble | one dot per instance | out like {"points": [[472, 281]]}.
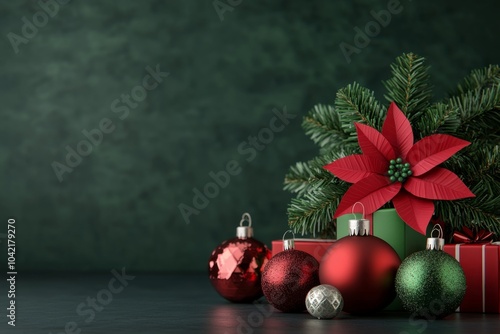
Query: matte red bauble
{"points": [[235, 266], [363, 268], [288, 277]]}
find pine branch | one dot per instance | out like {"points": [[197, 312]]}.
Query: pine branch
{"points": [[475, 103], [310, 176], [323, 126], [479, 112], [409, 87], [439, 118], [470, 212], [313, 212], [479, 166], [476, 164], [473, 114], [355, 103], [480, 79]]}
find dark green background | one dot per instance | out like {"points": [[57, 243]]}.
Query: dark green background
{"points": [[119, 207]]}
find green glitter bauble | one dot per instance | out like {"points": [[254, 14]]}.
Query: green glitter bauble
{"points": [[430, 283]]}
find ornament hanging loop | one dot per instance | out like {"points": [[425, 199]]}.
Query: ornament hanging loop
{"points": [[243, 231], [288, 243], [246, 218], [434, 243], [437, 228], [288, 231], [352, 210], [360, 226]]}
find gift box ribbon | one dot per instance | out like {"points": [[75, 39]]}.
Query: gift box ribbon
{"points": [[467, 236], [483, 269]]}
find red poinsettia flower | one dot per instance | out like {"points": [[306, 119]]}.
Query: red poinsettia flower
{"points": [[393, 168]]}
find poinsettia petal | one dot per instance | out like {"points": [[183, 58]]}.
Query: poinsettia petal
{"points": [[372, 191], [372, 143], [397, 130], [433, 150], [415, 212], [354, 168], [439, 183]]}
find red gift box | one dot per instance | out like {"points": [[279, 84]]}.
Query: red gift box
{"points": [[315, 247], [481, 265]]}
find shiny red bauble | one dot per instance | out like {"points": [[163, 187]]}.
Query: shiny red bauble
{"points": [[287, 279], [363, 269], [235, 269]]}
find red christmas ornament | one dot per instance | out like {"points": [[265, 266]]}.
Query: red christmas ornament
{"points": [[363, 268], [235, 266], [288, 277]]}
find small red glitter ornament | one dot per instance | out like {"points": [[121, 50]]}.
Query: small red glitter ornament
{"points": [[235, 266], [288, 277]]}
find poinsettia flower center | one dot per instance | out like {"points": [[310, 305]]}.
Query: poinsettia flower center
{"points": [[399, 170]]}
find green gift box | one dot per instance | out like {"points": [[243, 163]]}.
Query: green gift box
{"points": [[388, 226]]}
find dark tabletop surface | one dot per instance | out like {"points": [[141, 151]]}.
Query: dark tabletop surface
{"points": [[186, 303]]}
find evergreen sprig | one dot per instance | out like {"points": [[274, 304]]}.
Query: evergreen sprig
{"points": [[355, 103], [439, 118], [475, 162], [306, 177], [313, 212], [324, 127], [409, 86], [480, 79], [471, 113], [479, 113]]}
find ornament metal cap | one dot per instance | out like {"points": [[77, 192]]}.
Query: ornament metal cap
{"points": [[359, 227], [288, 243], [436, 243], [244, 232]]}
